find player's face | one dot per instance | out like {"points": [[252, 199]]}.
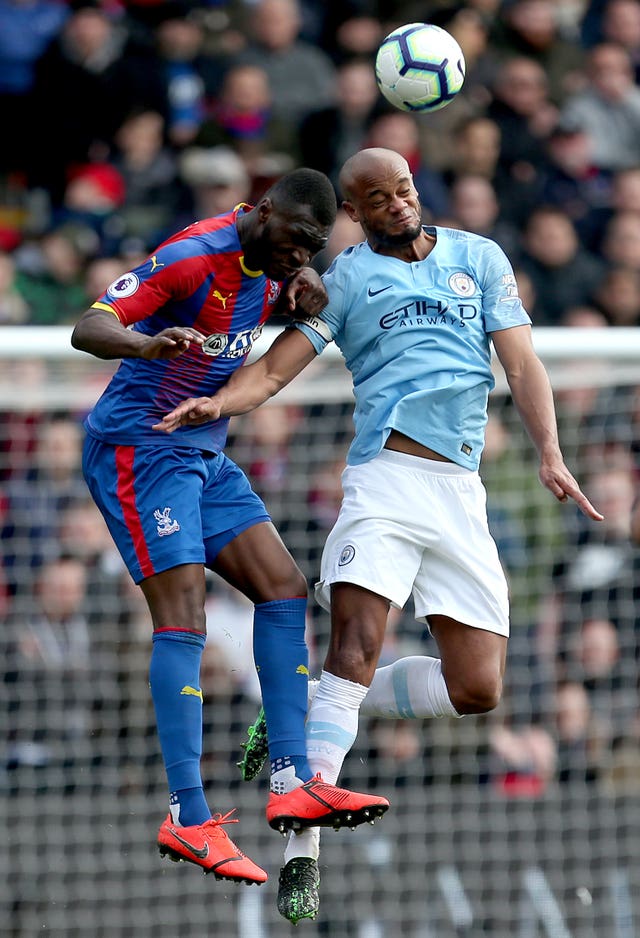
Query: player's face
{"points": [[289, 242], [386, 204]]}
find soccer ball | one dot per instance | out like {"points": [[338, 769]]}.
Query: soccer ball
{"points": [[419, 68]]}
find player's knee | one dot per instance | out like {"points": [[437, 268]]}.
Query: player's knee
{"points": [[480, 694], [289, 584], [176, 602]]}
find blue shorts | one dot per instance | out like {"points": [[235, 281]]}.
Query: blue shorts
{"points": [[165, 507]]}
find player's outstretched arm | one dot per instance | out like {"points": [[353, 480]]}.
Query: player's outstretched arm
{"points": [[533, 397], [102, 334], [249, 386]]}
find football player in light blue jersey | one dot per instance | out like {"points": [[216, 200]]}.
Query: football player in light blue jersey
{"points": [[414, 311], [389, 317]]}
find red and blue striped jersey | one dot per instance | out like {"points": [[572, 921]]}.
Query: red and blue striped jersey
{"points": [[196, 278]]}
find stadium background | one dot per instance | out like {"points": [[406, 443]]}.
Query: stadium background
{"points": [[523, 823]]}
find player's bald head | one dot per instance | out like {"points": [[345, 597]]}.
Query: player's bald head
{"points": [[366, 165], [378, 192]]}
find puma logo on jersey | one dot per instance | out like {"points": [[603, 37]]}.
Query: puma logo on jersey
{"points": [[302, 669], [154, 263], [220, 296], [188, 691]]}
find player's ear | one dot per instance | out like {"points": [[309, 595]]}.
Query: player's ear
{"points": [[265, 208], [351, 210]]}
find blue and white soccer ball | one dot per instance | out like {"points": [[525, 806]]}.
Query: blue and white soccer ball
{"points": [[420, 68]]}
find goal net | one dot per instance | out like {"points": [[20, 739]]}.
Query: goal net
{"points": [[524, 823]]}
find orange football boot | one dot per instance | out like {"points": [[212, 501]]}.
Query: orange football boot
{"points": [[209, 847], [318, 804]]}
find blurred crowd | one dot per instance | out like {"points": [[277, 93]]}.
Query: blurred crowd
{"points": [[125, 122]]}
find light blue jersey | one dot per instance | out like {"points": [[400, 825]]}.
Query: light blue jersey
{"points": [[415, 337]]}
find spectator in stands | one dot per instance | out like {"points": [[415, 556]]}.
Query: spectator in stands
{"points": [[523, 759], [138, 759], [102, 271], [353, 28], [608, 108], [605, 194], [582, 743], [154, 193], [525, 115], [564, 274], [86, 81], [620, 25], [189, 77], [81, 533], [596, 574], [625, 190], [571, 181], [620, 246], [268, 459], [618, 296], [92, 204], [26, 29], [50, 274], [329, 135], [477, 143], [301, 75], [531, 28], [14, 308], [59, 682], [35, 499], [217, 180], [241, 116], [475, 207], [264, 447], [604, 659]]}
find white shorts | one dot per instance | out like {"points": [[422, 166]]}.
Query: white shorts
{"points": [[414, 526]]}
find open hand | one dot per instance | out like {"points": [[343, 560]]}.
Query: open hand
{"points": [[190, 413]]}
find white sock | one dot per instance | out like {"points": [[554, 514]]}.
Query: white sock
{"points": [[332, 726], [304, 844], [410, 688]]}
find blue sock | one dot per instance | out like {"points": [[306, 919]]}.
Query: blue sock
{"points": [[278, 637], [174, 677]]}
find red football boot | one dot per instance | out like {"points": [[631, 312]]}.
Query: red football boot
{"points": [[317, 804], [209, 847]]}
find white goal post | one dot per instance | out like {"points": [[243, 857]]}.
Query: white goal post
{"points": [[566, 353]]}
